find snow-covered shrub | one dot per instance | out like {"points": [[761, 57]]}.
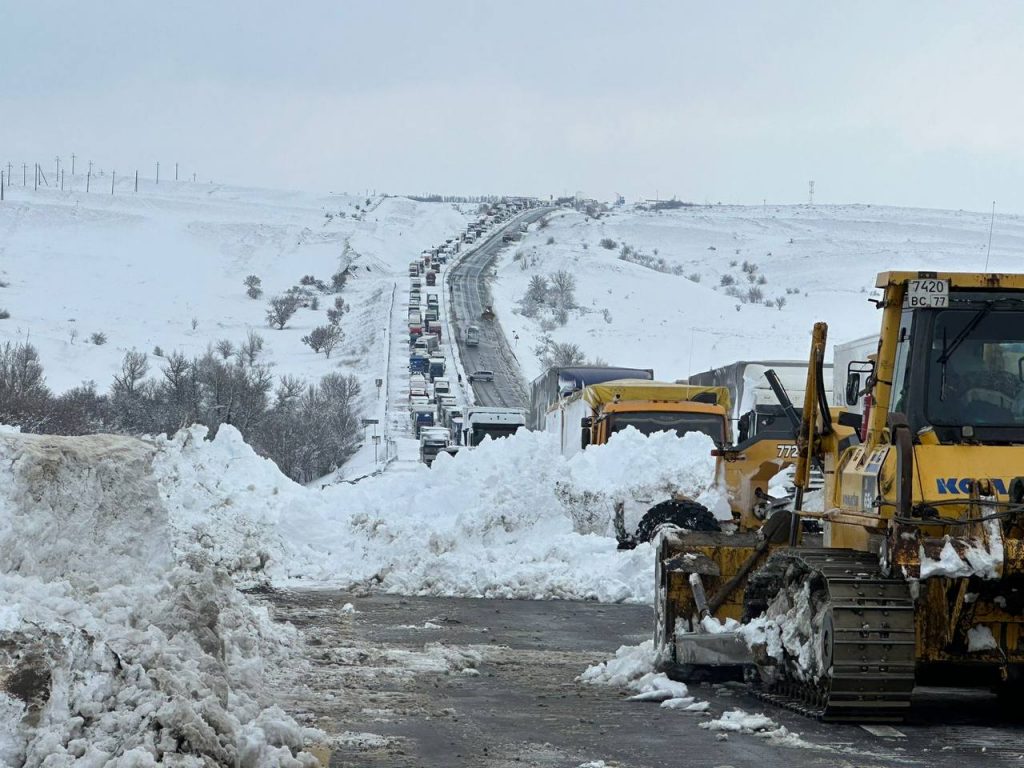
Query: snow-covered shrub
{"points": [[726, 280], [4, 314], [608, 243], [99, 338]]}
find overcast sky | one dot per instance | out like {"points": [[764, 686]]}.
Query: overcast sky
{"points": [[909, 103]]}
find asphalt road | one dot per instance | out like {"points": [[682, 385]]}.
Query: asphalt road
{"points": [[469, 296], [462, 683]]}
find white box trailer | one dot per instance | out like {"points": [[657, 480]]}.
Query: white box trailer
{"points": [[858, 350], [753, 399]]}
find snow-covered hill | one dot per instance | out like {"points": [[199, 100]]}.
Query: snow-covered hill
{"points": [[819, 262], [165, 268]]}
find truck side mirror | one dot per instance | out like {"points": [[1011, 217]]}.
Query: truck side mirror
{"points": [[853, 382], [852, 388]]}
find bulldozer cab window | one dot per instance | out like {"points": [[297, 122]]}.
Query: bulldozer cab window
{"points": [[666, 421], [976, 369], [900, 379]]}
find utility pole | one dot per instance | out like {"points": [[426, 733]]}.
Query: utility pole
{"points": [[36, 188], [136, 180], [1, 186], [57, 174], [61, 179], [175, 171], [113, 175], [88, 177], [24, 173], [158, 173], [193, 178], [991, 226], [810, 193], [72, 165]]}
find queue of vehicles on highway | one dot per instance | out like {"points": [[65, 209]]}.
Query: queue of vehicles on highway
{"points": [[439, 421]]}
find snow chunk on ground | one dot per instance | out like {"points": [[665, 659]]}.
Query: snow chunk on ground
{"points": [[738, 721], [633, 668], [980, 638]]}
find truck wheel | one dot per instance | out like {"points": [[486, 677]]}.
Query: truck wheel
{"points": [[679, 514]]}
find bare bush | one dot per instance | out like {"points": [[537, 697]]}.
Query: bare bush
{"points": [[553, 353], [250, 349], [23, 393], [608, 243], [253, 287], [726, 280], [225, 348], [323, 338], [99, 338], [563, 289], [755, 295], [4, 314], [281, 310], [335, 313]]}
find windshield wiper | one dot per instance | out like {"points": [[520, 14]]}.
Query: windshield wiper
{"points": [[947, 352]]}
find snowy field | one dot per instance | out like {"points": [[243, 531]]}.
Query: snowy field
{"points": [[165, 268], [820, 261]]}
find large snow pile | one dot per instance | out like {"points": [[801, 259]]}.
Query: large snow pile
{"points": [[111, 652], [496, 521]]}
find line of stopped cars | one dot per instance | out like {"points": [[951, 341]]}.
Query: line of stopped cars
{"points": [[439, 421]]}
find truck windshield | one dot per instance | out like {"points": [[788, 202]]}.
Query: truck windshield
{"points": [[494, 430], [649, 422], [976, 368]]}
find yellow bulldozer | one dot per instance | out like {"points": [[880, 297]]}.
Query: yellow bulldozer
{"points": [[918, 574]]}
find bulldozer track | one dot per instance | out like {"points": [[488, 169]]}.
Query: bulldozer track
{"points": [[870, 638]]}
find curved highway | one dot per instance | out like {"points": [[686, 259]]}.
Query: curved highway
{"points": [[468, 297]]}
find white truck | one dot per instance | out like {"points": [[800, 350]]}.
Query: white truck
{"points": [[845, 358], [481, 421], [433, 440], [755, 409]]}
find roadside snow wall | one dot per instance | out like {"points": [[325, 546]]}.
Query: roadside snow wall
{"points": [[510, 518], [112, 652]]}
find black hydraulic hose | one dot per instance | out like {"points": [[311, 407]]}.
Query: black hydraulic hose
{"points": [[783, 397]]}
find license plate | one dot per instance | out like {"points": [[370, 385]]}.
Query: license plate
{"points": [[927, 294]]}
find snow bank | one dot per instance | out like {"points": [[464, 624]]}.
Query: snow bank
{"points": [[497, 521], [111, 652]]}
